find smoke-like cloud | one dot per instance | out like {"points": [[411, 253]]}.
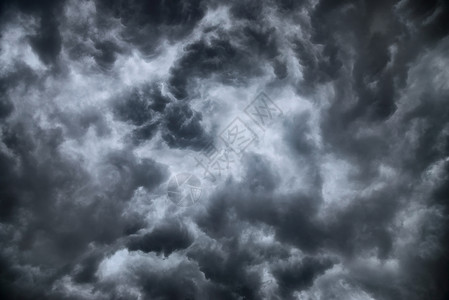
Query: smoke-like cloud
{"points": [[338, 190]]}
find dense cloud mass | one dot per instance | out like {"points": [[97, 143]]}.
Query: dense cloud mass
{"points": [[309, 141]]}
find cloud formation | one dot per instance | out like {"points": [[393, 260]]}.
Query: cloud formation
{"points": [[342, 195]]}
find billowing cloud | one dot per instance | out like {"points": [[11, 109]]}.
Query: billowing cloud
{"points": [[318, 132]]}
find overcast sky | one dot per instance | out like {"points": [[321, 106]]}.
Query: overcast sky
{"points": [[240, 149]]}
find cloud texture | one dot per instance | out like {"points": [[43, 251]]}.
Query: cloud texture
{"points": [[343, 195]]}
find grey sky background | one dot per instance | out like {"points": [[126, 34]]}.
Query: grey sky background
{"points": [[343, 195]]}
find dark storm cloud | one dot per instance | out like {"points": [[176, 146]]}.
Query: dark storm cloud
{"points": [[165, 239], [146, 23], [47, 41], [217, 269], [295, 218], [30, 6], [134, 173], [374, 63], [229, 56], [368, 30], [79, 208], [254, 203], [136, 107], [363, 226], [65, 213], [149, 111], [106, 53], [432, 17], [84, 271], [299, 276], [202, 59], [144, 108], [183, 127], [366, 224]]}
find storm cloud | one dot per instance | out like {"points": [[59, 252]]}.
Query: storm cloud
{"points": [[318, 131]]}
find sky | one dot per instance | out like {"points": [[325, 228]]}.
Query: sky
{"points": [[239, 149]]}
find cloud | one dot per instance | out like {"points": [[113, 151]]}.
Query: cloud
{"points": [[343, 195]]}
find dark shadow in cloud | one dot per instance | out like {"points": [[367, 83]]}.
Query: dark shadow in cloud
{"points": [[202, 59], [165, 238], [247, 10], [227, 267], [133, 173], [375, 84], [431, 16], [47, 42], [84, 271], [299, 276], [149, 111], [182, 127], [434, 143], [142, 107], [144, 133], [365, 224], [135, 108], [30, 6], [298, 134], [7, 277], [106, 53], [287, 6], [280, 68], [439, 264], [147, 23], [6, 106], [261, 41], [369, 31], [177, 283], [317, 68], [8, 193], [156, 13], [230, 59]]}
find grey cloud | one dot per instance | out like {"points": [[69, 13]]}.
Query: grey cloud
{"points": [[203, 59], [146, 24], [183, 127], [47, 43], [231, 57], [82, 204], [165, 238], [299, 276]]}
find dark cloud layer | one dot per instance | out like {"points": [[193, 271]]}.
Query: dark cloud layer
{"points": [[345, 197]]}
